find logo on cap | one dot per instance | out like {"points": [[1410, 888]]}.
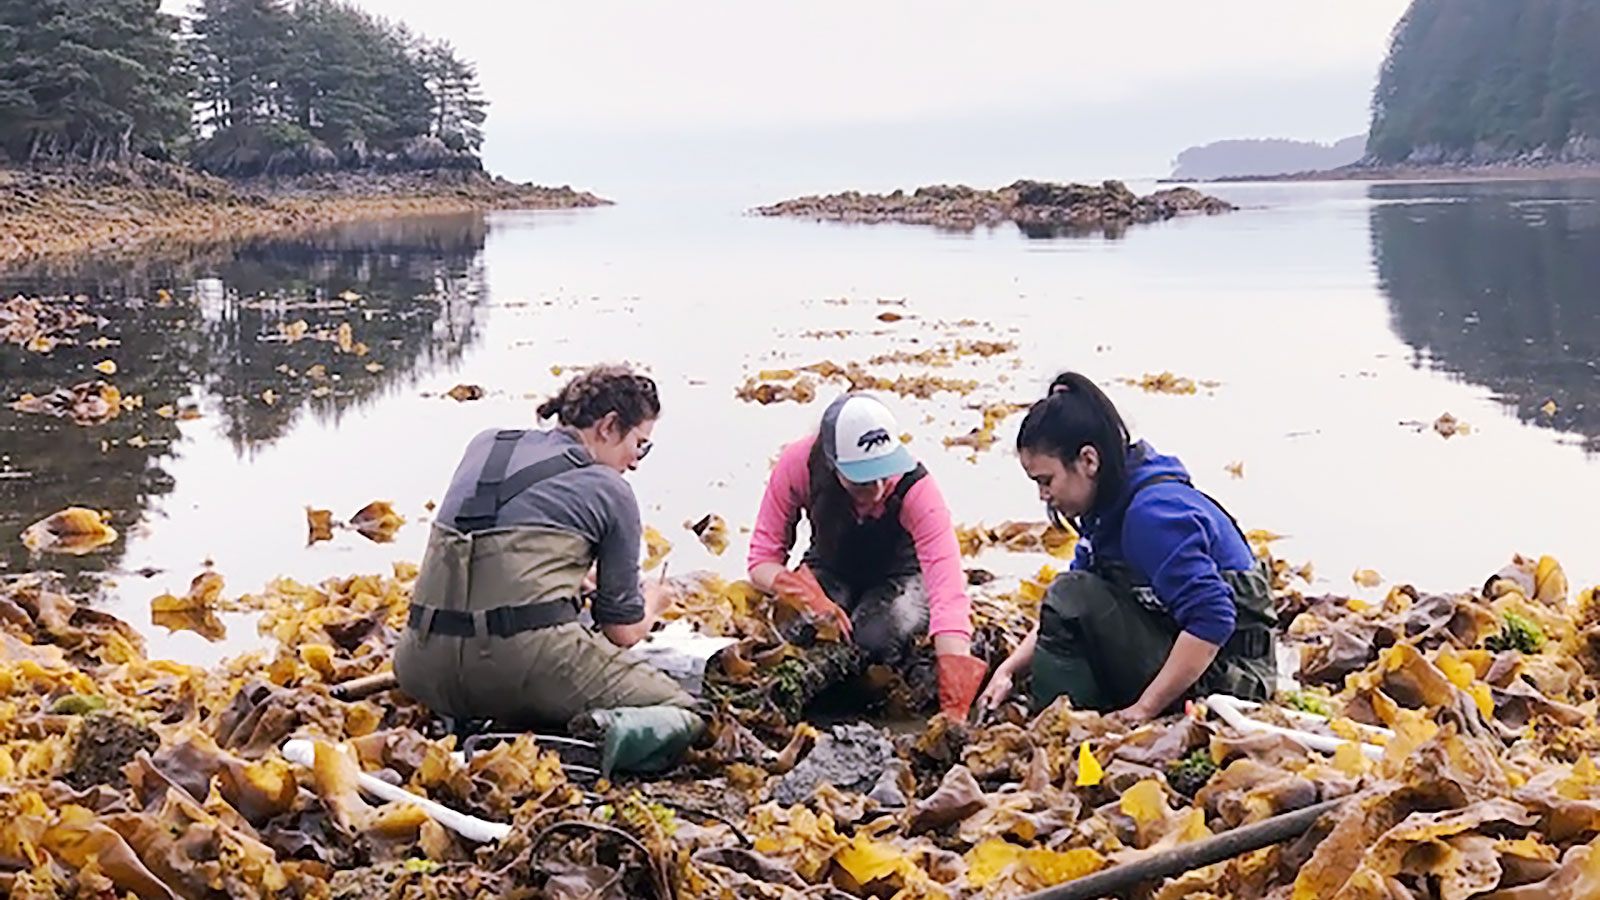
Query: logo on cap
{"points": [[873, 439]]}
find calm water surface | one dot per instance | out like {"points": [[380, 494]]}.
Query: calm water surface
{"points": [[1331, 315]]}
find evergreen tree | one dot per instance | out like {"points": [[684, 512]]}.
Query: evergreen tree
{"points": [[253, 85], [93, 79], [353, 76], [1487, 80], [241, 56], [459, 109]]}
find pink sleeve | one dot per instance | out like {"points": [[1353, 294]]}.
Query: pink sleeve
{"points": [[787, 492], [927, 519]]}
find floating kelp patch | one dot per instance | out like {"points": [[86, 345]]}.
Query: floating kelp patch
{"points": [[769, 386], [74, 531], [40, 324], [89, 403], [319, 525], [1168, 383], [377, 521], [712, 530], [1018, 537]]}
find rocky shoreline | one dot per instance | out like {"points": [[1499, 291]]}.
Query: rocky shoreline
{"points": [[119, 209], [1442, 172], [1110, 206]]}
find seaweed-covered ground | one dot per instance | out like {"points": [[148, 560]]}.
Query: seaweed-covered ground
{"points": [[120, 210], [120, 774]]}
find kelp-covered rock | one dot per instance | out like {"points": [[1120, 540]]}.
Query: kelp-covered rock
{"points": [[1033, 205], [120, 209]]}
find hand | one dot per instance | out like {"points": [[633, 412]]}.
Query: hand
{"points": [[801, 586], [659, 597], [999, 689], [1131, 717]]}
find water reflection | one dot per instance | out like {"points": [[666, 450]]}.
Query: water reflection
{"points": [[1046, 231], [220, 328], [1500, 284]]}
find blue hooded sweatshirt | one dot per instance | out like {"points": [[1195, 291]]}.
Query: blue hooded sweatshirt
{"points": [[1174, 539]]}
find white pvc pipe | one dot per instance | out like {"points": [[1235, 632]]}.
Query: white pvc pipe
{"points": [[302, 752], [1231, 709]]}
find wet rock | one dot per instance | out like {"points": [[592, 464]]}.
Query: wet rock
{"points": [[105, 744], [426, 152], [850, 757], [355, 154], [892, 787], [1036, 206]]}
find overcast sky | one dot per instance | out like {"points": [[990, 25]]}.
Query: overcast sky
{"points": [[590, 91]]}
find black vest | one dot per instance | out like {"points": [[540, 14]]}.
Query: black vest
{"points": [[869, 552]]}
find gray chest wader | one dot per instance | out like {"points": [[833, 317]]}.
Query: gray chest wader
{"points": [[873, 573], [493, 630], [1104, 636]]}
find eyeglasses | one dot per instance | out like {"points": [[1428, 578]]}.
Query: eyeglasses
{"points": [[645, 446]]}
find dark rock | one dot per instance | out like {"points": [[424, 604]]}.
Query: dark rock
{"points": [[354, 154], [850, 757], [104, 745], [319, 158], [425, 152], [893, 785]]}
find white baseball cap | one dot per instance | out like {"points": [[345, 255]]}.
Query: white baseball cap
{"points": [[860, 439]]}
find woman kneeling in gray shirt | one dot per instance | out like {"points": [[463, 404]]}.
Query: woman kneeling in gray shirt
{"points": [[493, 631]]}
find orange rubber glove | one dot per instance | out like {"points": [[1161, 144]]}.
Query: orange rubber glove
{"points": [[960, 677], [801, 585]]}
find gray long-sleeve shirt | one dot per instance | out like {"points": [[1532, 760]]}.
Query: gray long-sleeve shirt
{"points": [[595, 502]]}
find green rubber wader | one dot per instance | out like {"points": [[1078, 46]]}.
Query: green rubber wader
{"points": [[639, 739], [538, 678], [1102, 647]]}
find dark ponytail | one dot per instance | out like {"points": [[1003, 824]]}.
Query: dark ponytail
{"points": [[1075, 415], [601, 391]]}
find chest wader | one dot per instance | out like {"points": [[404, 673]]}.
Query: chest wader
{"points": [[1104, 636], [493, 630], [873, 573]]}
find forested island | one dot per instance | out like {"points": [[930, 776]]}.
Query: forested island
{"points": [[1264, 156], [1485, 82], [313, 112], [1469, 88]]}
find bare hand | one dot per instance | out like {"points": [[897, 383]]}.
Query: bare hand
{"points": [[659, 597], [997, 691], [1131, 718]]}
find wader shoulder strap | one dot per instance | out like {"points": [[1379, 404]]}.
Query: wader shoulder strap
{"points": [[1163, 479], [897, 497], [495, 489], [1252, 637]]}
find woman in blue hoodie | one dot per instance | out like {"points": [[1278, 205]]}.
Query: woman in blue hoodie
{"points": [[1164, 599]]}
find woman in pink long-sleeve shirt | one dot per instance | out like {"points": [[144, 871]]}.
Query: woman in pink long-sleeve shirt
{"points": [[883, 563]]}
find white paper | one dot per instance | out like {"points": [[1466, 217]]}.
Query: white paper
{"points": [[681, 652]]}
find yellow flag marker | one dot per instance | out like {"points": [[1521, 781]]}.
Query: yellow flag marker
{"points": [[1089, 771]]}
